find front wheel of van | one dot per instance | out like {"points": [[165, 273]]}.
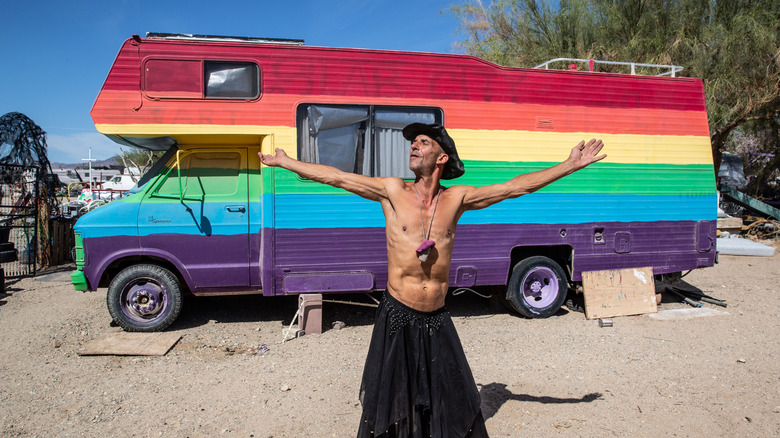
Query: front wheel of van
{"points": [[537, 287], [144, 298]]}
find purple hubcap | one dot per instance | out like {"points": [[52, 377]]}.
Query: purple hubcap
{"points": [[540, 287], [144, 299]]}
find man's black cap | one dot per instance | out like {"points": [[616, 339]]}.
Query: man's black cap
{"points": [[454, 167]]}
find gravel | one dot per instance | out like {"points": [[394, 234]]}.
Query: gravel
{"points": [[230, 375]]}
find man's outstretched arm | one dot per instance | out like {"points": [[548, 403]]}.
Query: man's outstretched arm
{"points": [[365, 186], [581, 156]]}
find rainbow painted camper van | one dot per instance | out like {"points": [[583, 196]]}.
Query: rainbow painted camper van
{"points": [[209, 219]]}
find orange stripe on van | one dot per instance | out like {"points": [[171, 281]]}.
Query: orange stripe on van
{"points": [[116, 107]]}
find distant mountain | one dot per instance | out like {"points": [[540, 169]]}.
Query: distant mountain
{"points": [[108, 163]]}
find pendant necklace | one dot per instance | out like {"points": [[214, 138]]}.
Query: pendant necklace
{"points": [[425, 248]]}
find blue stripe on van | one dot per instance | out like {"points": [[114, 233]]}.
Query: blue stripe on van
{"points": [[323, 211], [352, 211]]}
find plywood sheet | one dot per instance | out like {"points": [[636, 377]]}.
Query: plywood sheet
{"points": [[619, 292], [130, 344]]}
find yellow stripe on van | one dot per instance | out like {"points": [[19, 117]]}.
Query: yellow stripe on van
{"points": [[283, 136], [487, 145], [477, 145]]}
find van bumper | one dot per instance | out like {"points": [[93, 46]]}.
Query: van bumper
{"points": [[79, 280]]}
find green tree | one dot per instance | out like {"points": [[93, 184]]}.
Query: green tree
{"points": [[732, 45], [756, 143]]}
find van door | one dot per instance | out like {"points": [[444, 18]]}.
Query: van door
{"points": [[199, 216]]}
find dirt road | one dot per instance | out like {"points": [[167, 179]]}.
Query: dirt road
{"points": [[562, 376]]}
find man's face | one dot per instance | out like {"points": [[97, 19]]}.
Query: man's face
{"points": [[424, 154]]}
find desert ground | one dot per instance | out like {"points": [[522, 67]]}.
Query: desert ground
{"points": [[561, 376]]}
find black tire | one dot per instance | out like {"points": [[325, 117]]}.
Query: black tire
{"points": [[537, 287], [144, 298], [8, 256]]}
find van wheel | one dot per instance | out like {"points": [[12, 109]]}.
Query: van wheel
{"points": [[144, 298], [537, 287]]}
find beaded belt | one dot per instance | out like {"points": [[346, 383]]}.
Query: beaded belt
{"points": [[401, 315]]}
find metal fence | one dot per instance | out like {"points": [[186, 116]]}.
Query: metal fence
{"points": [[18, 217]]}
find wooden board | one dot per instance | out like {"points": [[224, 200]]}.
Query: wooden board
{"points": [[619, 292], [730, 224], [130, 344], [687, 313]]}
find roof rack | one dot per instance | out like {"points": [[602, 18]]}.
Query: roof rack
{"points": [[672, 69], [221, 38]]}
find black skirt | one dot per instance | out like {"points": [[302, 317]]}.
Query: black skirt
{"points": [[416, 382]]}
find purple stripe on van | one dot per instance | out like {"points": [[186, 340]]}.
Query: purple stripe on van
{"points": [[667, 246], [206, 263], [483, 253]]}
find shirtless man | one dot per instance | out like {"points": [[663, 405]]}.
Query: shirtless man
{"points": [[424, 214]]}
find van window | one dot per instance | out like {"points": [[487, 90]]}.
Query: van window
{"points": [[362, 139], [196, 79], [173, 78], [232, 80], [204, 174]]}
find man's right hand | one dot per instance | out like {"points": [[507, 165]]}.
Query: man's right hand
{"points": [[273, 160]]}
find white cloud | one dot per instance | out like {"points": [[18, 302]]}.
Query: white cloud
{"points": [[73, 147]]}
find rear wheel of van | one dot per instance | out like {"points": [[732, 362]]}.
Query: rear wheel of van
{"points": [[144, 298], [537, 287]]}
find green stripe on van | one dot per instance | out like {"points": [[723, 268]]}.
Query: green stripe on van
{"points": [[600, 178]]}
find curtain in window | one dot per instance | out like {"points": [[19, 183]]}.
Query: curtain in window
{"points": [[391, 148], [231, 80], [334, 135]]}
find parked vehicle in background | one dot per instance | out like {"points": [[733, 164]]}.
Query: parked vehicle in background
{"points": [[120, 182], [209, 219]]}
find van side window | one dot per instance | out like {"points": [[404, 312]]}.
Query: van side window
{"points": [[204, 174], [198, 79], [334, 135], [173, 78], [362, 139], [231, 80]]}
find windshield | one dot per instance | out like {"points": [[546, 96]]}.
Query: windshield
{"points": [[156, 167]]}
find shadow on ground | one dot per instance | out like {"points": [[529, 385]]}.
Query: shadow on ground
{"points": [[494, 395], [199, 311], [357, 309]]}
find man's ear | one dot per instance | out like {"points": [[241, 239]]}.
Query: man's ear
{"points": [[442, 158]]}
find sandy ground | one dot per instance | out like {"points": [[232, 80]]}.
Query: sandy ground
{"points": [[562, 376]]}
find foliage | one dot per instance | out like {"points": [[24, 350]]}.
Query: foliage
{"points": [[757, 147], [732, 45]]}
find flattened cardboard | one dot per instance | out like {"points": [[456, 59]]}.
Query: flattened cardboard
{"points": [[130, 344], [619, 292]]}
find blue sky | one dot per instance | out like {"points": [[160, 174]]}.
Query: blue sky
{"points": [[55, 54]]}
